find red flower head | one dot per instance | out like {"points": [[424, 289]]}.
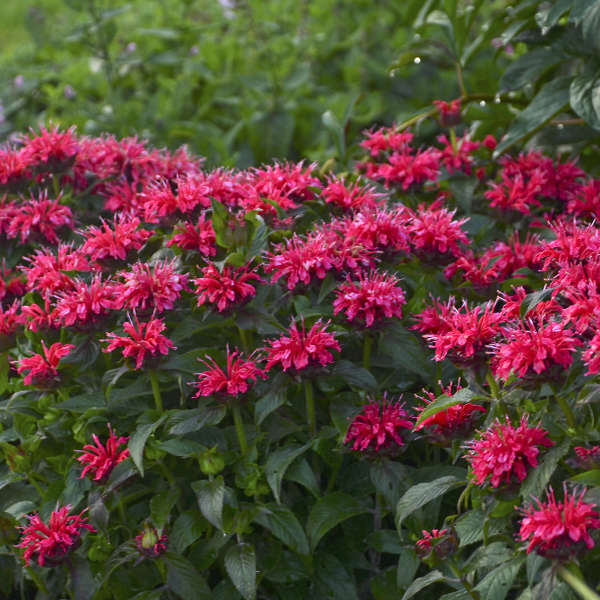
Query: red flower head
{"points": [[43, 367], [501, 452], [455, 422], [433, 231], [350, 196], [10, 319], [51, 145], [85, 304], [199, 237], [458, 156], [151, 543], [587, 458], [371, 299], [407, 170], [159, 199], [300, 350], [386, 138], [150, 288], [591, 357], [100, 460], [227, 288], [449, 112], [559, 530], [36, 318], [142, 339], [233, 381], [104, 242], [443, 542], [378, 427], [14, 165], [50, 543], [530, 349], [39, 218]]}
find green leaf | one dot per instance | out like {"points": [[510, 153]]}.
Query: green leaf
{"points": [[4, 368], [184, 580], [188, 527], [590, 26], [277, 464], [220, 218], [210, 496], [332, 580], [161, 505], [182, 422], [528, 68], [336, 130], [443, 402], [584, 95], [591, 478], [267, 404], [83, 402], [422, 582], [240, 564], [469, 527], [355, 376], [328, 512], [138, 441], [532, 300], [422, 493], [82, 580], [284, 525], [551, 99], [408, 565], [497, 583], [538, 478]]}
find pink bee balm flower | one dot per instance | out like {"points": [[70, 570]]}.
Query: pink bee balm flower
{"points": [[587, 458], [50, 543], [100, 460], [114, 242], [378, 427], [299, 349], [502, 452], [148, 287], [443, 542], [151, 543], [199, 237], [371, 299], [227, 288], [532, 349], [143, 339], [232, 381], [449, 112], [350, 196], [51, 145], [85, 304], [559, 530], [591, 357], [43, 367]]}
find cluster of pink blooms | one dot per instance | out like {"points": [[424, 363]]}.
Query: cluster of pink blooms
{"points": [[99, 459]]}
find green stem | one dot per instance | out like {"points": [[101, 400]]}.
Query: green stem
{"points": [[244, 339], [461, 80], [367, 345], [468, 587], [156, 391], [310, 407], [166, 473], [564, 405], [35, 484], [37, 580], [239, 428], [577, 584]]}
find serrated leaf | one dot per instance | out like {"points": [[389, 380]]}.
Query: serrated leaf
{"points": [[138, 440], [267, 404], [497, 583], [240, 564], [161, 505], [328, 512], [584, 96], [538, 478], [591, 478], [82, 580], [551, 98], [422, 582], [182, 422], [188, 527], [277, 464], [210, 496], [332, 580], [590, 26], [443, 402], [355, 376], [184, 580], [528, 68], [284, 525], [422, 493], [408, 565]]}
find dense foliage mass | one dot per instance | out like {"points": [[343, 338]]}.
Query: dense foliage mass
{"points": [[282, 381]]}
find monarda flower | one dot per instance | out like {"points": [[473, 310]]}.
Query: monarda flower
{"points": [[114, 241], [199, 237], [559, 530], [406, 170], [300, 349], [235, 380], [42, 368], [100, 460], [443, 542], [449, 112], [458, 156], [10, 319], [503, 453], [151, 543], [85, 304], [40, 218], [386, 139], [452, 423], [51, 146], [143, 340], [432, 231], [371, 299], [530, 349], [378, 428], [591, 356], [148, 287], [49, 544], [227, 288], [350, 196], [587, 458]]}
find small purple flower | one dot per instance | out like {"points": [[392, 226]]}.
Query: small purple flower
{"points": [[69, 92]]}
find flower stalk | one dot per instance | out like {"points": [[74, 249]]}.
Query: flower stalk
{"points": [[156, 391], [577, 584], [239, 428]]}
